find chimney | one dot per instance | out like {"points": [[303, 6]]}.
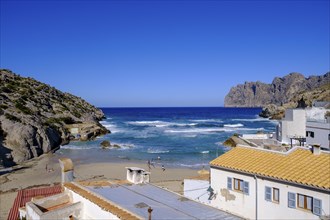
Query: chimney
{"points": [[137, 175], [316, 149], [67, 169]]}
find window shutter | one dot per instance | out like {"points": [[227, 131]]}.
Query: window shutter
{"points": [[268, 193], [317, 206], [229, 183], [291, 200], [246, 188]]}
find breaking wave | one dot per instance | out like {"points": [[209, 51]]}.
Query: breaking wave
{"points": [[233, 125], [157, 151]]}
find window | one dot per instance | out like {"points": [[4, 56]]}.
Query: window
{"points": [[310, 134], [305, 202], [276, 195], [272, 194], [239, 185]]}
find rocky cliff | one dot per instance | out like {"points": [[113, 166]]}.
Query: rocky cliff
{"points": [[36, 118], [281, 91]]}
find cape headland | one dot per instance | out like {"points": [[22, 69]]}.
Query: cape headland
{"points": [[36, 118], [282, 93]]}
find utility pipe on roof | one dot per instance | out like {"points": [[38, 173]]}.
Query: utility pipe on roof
{"points": [[255, 177]]}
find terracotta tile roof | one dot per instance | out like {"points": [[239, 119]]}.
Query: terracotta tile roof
{"points": [[104, 204], [25, 195], [297, 165]]}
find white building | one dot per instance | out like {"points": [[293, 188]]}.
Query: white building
{"points": [[292, 127], [305, 126], [318, 133], [133, 198], [256, 183]]}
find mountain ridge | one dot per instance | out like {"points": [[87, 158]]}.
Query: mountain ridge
{"points": [[281, 91]]}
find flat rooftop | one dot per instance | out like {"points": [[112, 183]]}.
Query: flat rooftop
{"points": [[136, 199]]}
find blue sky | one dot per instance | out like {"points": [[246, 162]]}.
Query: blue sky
{"points": [[162, 53]]}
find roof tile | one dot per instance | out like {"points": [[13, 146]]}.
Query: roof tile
{"points": [[298, 165]]}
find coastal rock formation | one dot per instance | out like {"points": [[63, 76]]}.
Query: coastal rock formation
{"points": [[281, 91], [36, 118]]}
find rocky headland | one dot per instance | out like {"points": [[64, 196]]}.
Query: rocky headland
{"points": [[36, 118], [282, 93]]}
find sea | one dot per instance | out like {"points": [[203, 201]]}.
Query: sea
{"points": [[173, 137]]}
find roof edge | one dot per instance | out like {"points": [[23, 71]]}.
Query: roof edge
{"points": [[73, 186], [273, 178]]}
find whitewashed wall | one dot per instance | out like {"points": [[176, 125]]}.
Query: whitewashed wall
{"points": [[321, 133], [91, 210], [272, 210], [232, 201], [294, 124], [245, 205], [197, 190]]}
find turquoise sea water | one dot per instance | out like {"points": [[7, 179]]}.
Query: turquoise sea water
{"points": [[179, 137]]}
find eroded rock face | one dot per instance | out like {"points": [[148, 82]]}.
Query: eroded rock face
{"points": [[34, 117], [283, 90]]}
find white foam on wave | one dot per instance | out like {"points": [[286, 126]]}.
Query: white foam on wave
{"points": [[74, 147], [145, 122], [111, 126], [233, 125], [157, 151], [250, 129], [205, 152], [159, 124], [250, 119], [193, 165], [207, 120], [198, 130], [190, 135]]}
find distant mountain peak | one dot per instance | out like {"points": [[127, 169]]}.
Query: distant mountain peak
{"points": [[281, 90]]}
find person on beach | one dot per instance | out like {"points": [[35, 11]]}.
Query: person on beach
{"points": [[163, 168], [149, 165], [153, 162]]}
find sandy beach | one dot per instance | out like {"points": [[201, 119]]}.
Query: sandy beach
{"points": [[45, 171]]}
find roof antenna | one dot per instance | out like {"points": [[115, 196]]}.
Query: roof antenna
{"points": [[149, 211]]}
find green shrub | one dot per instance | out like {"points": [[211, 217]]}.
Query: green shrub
{"points": [[51, 121], [20, 105], [76, 113], [12, 117], [6, 89], [68, 120], [3, 106]]}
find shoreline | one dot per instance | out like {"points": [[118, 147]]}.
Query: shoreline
{"points": [[45, 171]]}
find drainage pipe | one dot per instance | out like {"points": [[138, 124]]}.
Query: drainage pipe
{"points": [[255, 177]]}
